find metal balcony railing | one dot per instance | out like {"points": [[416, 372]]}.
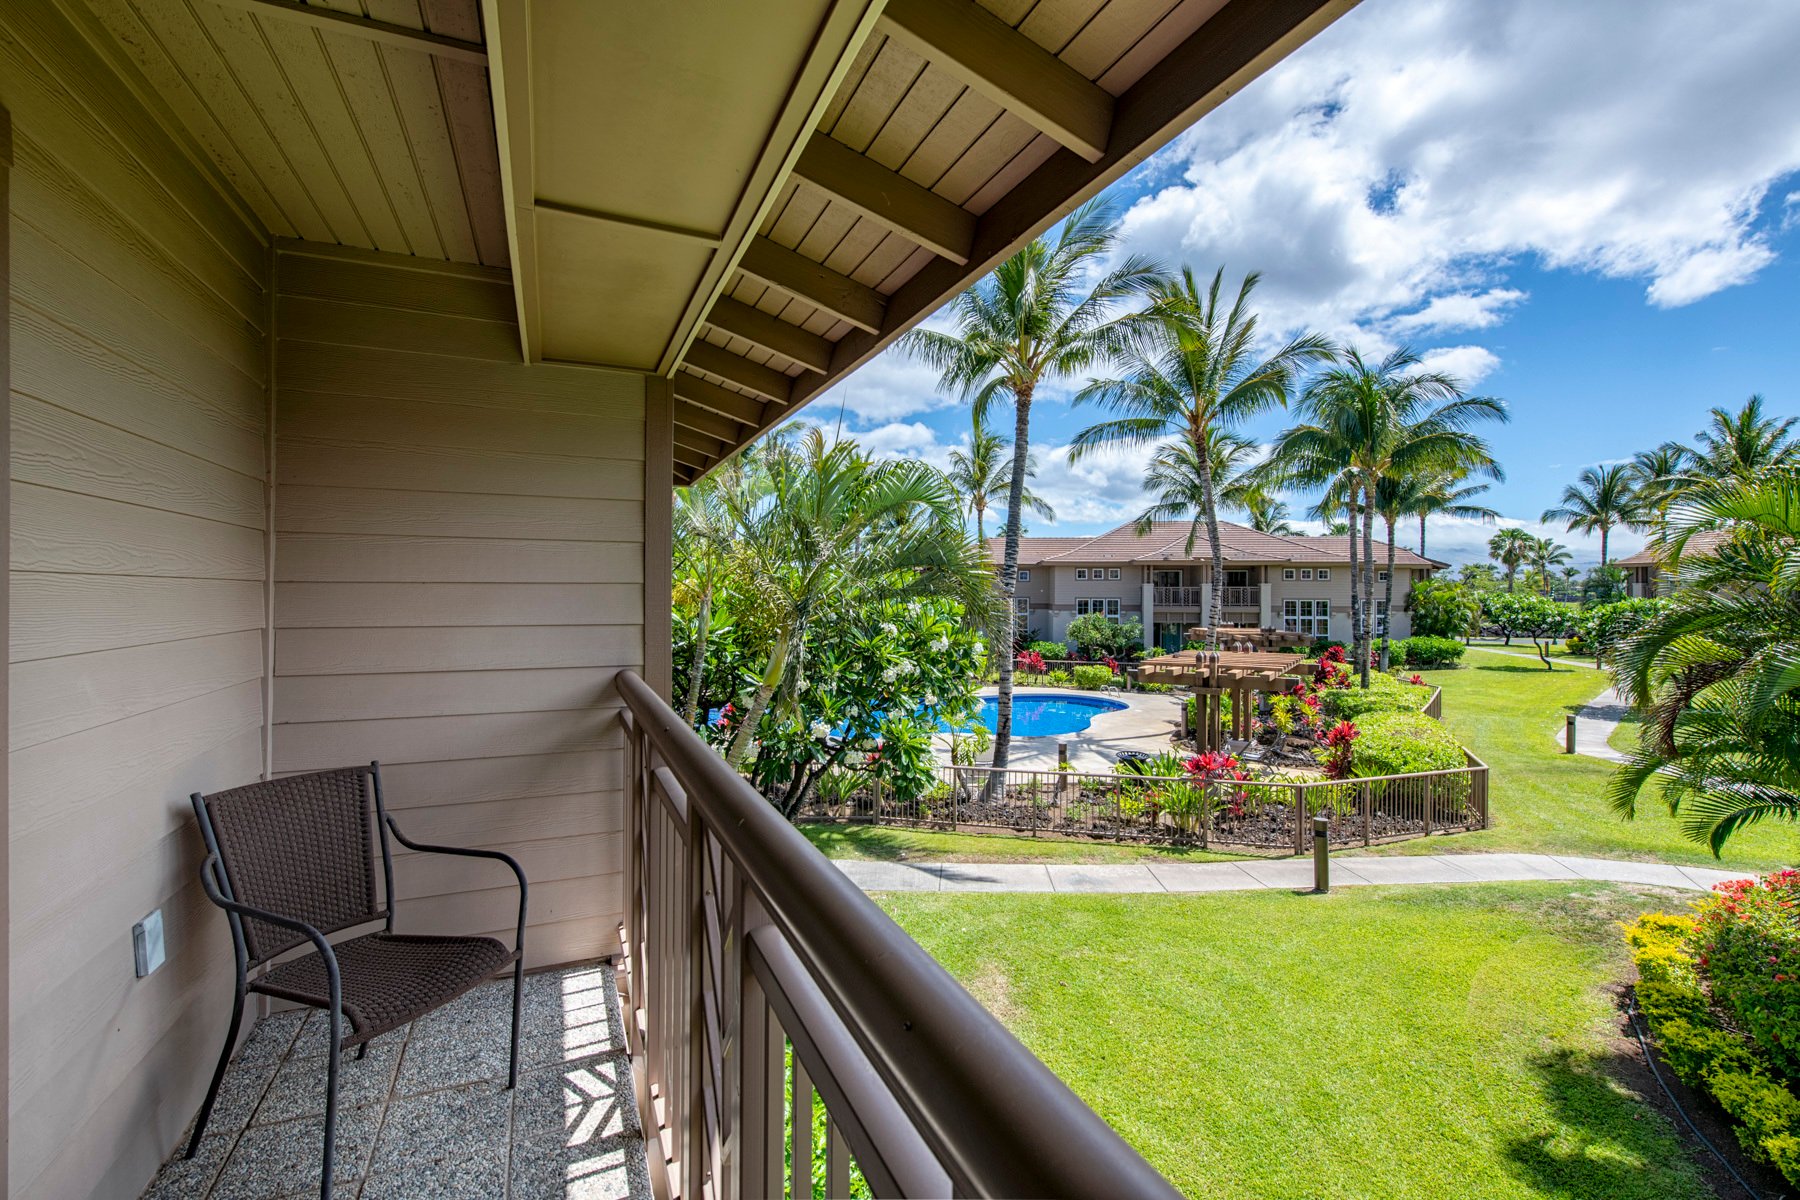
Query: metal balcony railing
{"points": [[744, 945], [1191, 597], [1240, 597]]}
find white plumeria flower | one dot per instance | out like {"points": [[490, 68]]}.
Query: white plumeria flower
{"points": [[889, 628], [821, 730], [800, 687], [930, 700], [939, 645]]}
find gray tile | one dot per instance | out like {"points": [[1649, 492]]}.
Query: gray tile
{"points": [[269, 1159], [1203, 877], [1122, 877], [995, 877], [890, 876], [299, 1088], [451, 1143], [181, 1177], [314, 1036], [575, 1133]]}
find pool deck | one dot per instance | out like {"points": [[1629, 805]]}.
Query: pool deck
{"points": [[1145, 723]]}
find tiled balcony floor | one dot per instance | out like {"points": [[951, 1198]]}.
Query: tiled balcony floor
{"points": [[427, 1113]]}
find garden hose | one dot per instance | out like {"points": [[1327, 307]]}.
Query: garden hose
{"points": [[1637, 1028]]}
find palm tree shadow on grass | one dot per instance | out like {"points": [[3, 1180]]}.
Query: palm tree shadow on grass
{"points": [[1606, 1142]]}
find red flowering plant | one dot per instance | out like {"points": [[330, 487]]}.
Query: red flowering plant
{"points": [[1217, 767], [1112, 664], [1337, 740], [1416, 679], [1033, 662], [1332, 670], [1748, 947]]}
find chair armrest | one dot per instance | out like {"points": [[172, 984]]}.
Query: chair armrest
{"points": [[471, 852], [207, 875]]}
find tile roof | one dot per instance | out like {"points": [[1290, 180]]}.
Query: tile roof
{"points": [[1167, 542], [1704, 542]]}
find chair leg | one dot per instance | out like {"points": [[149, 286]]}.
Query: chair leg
{"points": [[212, 1093], [512, 1074], [362, 1052], [331, 1096]]}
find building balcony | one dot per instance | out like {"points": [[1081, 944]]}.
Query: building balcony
{"points": [[1247, 598]]}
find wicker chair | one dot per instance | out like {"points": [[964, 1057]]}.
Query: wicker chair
{"points": [[293, 860]]}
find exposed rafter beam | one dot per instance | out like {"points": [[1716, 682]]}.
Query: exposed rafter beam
{"points": [[747, 410], [915, 213], [694, 440], [764, 381], [1216, 61], [771, 333], [820, 286], [693, 458], [704, 420], [365, 27], [1007, 67]]}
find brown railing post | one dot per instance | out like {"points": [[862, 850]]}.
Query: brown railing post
{"points": [[1430, 800], [695, 1150], [760, 1090]]}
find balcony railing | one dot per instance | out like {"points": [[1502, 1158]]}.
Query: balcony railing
{"points": [[743, 944], [1240, 597], [1191, 597]]}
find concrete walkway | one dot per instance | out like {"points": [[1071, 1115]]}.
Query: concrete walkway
{"points": [[1594, 725], [1254, 874]]}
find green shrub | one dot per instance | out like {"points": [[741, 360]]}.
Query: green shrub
{"points": [[1050, 649], [1102, 636], [1093, 677], [1059, 678], [1159, 689], [1422, 651], [1748, 942], [1384, 694], [1400, 743]]}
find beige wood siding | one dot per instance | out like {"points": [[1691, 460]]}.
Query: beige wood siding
{"points": [[139, 434], [460, 566]]}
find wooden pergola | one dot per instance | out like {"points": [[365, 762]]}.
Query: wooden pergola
{"points": [[1235, 638], [1215, 675]]}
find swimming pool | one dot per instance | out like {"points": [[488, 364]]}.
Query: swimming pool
{"points": [[1036, 715]]}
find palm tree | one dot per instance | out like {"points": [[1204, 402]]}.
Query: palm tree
{"points": [[1741, 445], [1362, 422], [1714, 671], [1509, 548], [1601, 500], [1399, 496], [1444, 494], [1659, 476], [1269, 515], [1180, 487], [1545, 554], [983, 473], [821, 524], [1034, 319], [1192, 372], [703, 547]]}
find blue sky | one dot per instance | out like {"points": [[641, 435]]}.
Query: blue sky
{"points": [[1591, 211]]}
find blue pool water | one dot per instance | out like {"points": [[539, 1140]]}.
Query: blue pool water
{"points": [[1045, 716]]}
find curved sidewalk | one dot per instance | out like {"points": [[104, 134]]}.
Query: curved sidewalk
{"points": [[1254, 874]]}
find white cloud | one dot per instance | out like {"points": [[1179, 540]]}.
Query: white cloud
{"points": [[1384, 176], [902, 439], [1468, 364], [1105, 488], [1460, 540]]}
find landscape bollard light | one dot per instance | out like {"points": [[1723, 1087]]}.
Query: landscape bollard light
{"points": [[1569, 734], [1321, 855]]}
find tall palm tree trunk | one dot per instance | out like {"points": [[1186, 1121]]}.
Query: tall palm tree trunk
{"points": [[1009, 578], [1421, 535], [690, 709], [1210, 503], [1368, 599], [1387, 614], [1352, 505], [981, 524], [1605, 532]]}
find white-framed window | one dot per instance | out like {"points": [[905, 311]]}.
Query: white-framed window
{"points": [[1324, 574], [1106, 606], [1382, 576], [1381, 608], [1024, 575], [1307, 616], [1022, 606], [1112, 572], [1306, 573], [1287, 572], [1081, 573]]}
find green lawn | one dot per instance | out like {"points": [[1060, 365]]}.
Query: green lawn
{"points": [[892, 844], [1510, 713], [1380, 1042]]}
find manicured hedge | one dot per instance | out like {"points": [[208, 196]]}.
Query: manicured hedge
{"points": [[1676, 957], [1400, 743], [1384, 694], [1093, 677], [1427, 652]]}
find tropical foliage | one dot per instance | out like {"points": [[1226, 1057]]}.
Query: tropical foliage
{"points": [[1716, 669], [1040, 316], [983, 474]]}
